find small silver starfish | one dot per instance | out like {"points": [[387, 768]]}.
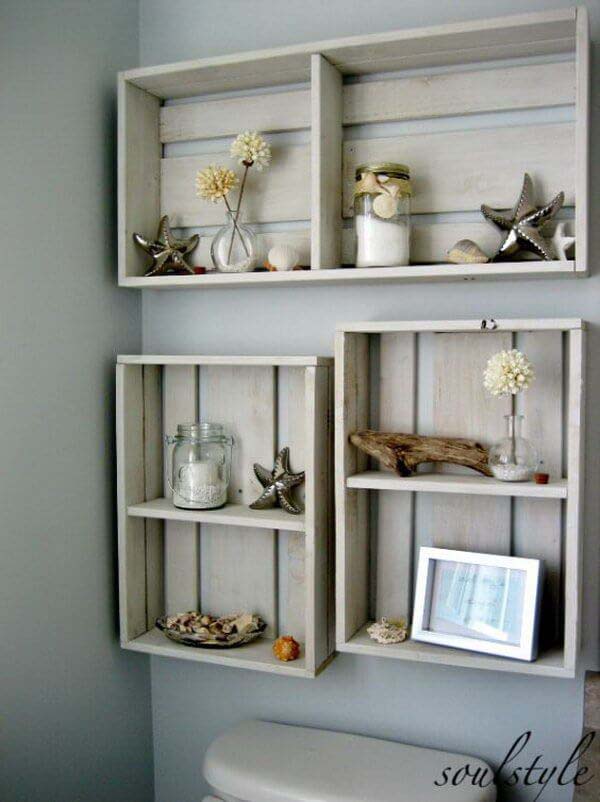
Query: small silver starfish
{"points": [[278, 485], [522, 225], [166, 251]]}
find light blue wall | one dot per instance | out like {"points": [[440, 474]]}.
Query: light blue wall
{"points": [[474, 712], [75, 720]]}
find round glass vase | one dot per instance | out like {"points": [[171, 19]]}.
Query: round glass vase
{"points": [[200, 466], [514, 458], [234, 247]]}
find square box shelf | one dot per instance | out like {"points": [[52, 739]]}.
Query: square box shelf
{"points": [[426, 377], [329, 106], [232, 559]]}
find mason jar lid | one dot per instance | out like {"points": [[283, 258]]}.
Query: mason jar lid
{"points": [[393, 169], [201, 431]]}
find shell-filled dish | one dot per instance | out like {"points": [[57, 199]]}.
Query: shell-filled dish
{"points": [[208, 632]]}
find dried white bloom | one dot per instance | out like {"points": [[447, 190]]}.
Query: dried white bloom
{"points": [[508, 373], [214, 183], [250, 148]]}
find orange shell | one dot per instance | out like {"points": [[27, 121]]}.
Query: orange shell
{"points": [[286, 648]]}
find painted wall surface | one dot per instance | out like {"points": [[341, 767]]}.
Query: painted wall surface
{"points": [[74, 708], [468, 711]]}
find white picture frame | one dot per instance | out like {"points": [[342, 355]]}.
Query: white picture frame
{"points": [[480, 602]]}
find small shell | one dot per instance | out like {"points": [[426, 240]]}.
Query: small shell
{"points": [[467, 252], [385, 206], [283, 257]]}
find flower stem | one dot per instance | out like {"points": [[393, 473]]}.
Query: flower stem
{"points": [[237, 214], [235, 226]]}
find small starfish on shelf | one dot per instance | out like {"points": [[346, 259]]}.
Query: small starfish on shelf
{"points": [[521, 225], [563, 242], [278, 485], [166, 251]]}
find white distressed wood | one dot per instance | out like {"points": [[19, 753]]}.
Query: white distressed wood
{"points": [[468, 485], [292, 432], [241, 361], [352, 508], [326, 164], [573, 568], [238, 563], [456, 93], [280, 193], [130, 485], [180, 405], [458, 170], [153, 488], [139, 154], [269, 112], [462, 408], [541, 33], [582, 140], [537, 525], [397, 406], [438, 326], [230, 515]]}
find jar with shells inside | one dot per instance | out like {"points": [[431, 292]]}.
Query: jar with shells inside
{"points": [[382, 195]]}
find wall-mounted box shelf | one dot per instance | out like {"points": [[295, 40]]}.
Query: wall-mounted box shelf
{"points": [[426, 377], [234, 558], [349, 101]]}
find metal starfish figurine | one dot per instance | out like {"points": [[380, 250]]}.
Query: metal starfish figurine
{"points": [[166, 251], [521, 226], [278, 485]]}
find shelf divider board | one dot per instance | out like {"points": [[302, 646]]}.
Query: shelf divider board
{"points": [[582, 137], [457, 484], [180, 405], [397, 408], [292, 432], [326, 164], [153, 487], [537, 525], [239, 563], [463, 409]]}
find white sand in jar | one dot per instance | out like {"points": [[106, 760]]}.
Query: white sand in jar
{"points": [[512, 473], [380, 243]]}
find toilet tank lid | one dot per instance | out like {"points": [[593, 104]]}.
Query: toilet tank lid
{"points": [[262, 762]]}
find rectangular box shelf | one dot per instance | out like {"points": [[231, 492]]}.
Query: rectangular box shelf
{"points": [[358, 100], [426, 377], [231, 559]]}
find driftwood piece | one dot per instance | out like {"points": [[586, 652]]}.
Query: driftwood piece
{"points": [[402, 453]]}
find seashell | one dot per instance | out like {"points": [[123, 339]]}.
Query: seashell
{"points": [[286, 648], [467, 252], [386, 631], [283, 257], [385, 206]]}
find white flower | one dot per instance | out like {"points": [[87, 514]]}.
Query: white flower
{"points": [[508, 373], [250, 148], [214, 183]]}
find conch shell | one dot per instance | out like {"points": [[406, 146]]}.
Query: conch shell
{"points": [[467, 252]]}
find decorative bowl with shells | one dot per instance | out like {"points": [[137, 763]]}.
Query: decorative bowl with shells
{"points": [[208, 632]]}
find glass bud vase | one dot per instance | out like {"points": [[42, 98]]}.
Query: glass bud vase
{"points": [[514, 458], [234, 247]]}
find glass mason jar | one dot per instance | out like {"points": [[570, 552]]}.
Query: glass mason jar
{"points": [[234, 248], [514, 458], [201, 465], [382, 215]]}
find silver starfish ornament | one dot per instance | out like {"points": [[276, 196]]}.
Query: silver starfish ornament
{"points": [[167, 251], [278, 485], [521, 225]]}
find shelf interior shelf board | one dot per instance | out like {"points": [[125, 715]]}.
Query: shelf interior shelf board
{"points": [[257, 655], [453, 483], [230, 515], [550, 663]]}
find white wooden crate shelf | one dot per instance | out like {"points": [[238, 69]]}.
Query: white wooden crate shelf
{"points": [[426, 377], [229, 515], [470, 70], [463, 485], [231, 559]]}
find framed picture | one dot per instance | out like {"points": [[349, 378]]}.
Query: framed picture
{"points": [[482, 602]]}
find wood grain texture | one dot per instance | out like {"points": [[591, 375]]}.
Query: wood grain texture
{"points": [[180, 405], [394, 538], [280, 193], [139, 152], [153, 488], [538, 524], [460, 170], [582, 139], [463, 408], [239, 563]]}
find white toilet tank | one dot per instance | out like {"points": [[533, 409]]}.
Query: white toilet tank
{"points": [[262, 762]]}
